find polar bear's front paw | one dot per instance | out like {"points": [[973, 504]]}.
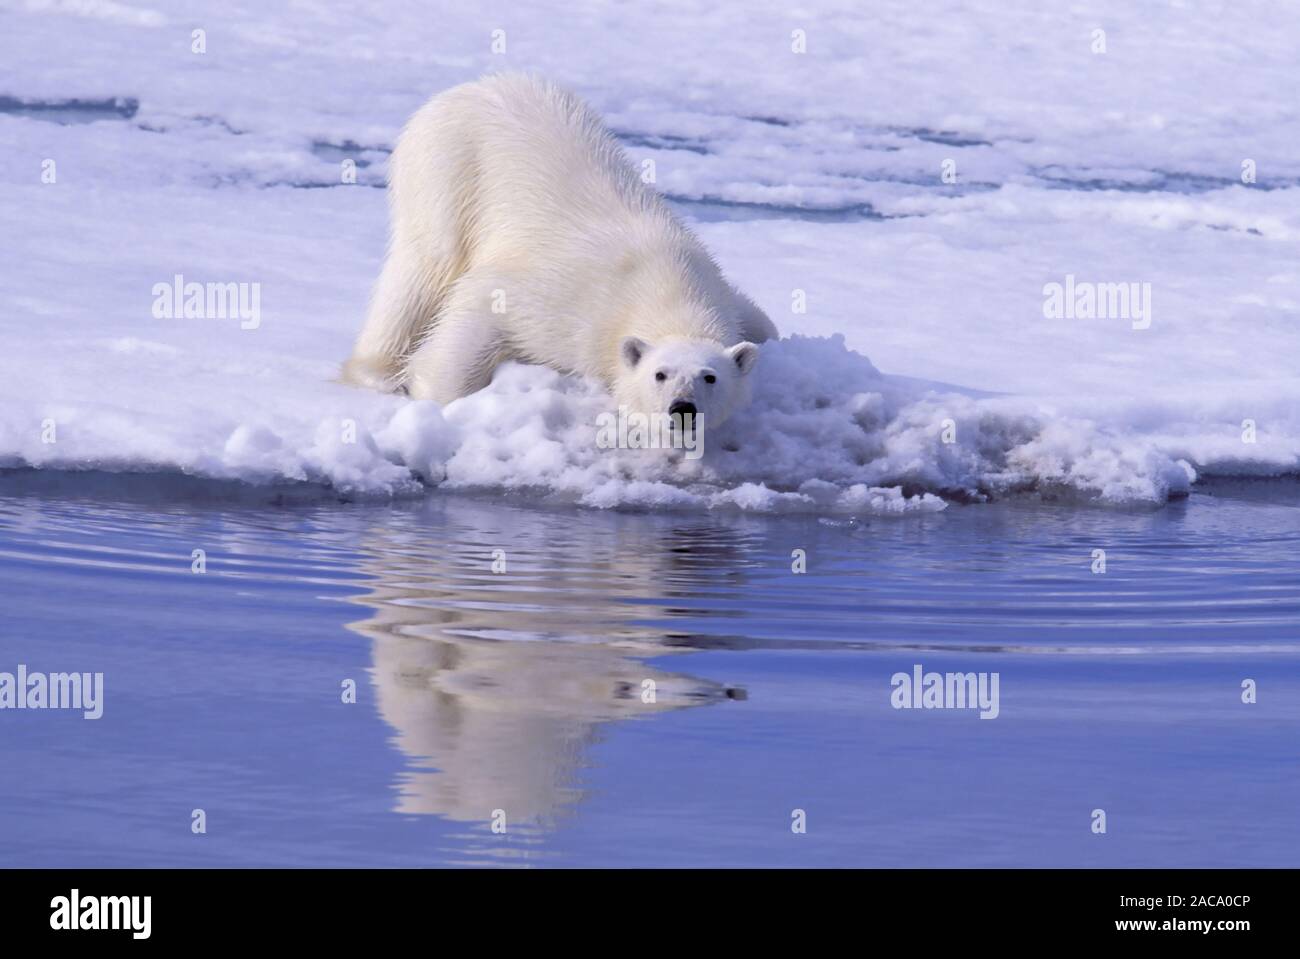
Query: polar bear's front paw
{"points": [[373, 374]]}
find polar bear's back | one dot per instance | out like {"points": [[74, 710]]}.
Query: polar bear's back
{"points": [[512, 158]]}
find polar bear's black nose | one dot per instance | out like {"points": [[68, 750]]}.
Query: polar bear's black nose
{"points": [[683, 409]]}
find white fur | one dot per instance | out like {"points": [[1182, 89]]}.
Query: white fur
{"points": [[521, 231]]}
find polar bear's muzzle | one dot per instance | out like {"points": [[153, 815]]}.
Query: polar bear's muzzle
{"points": [[682, 414]]}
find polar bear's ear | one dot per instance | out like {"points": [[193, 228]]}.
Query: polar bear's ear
{"points": [[744, 355], [632, 349]]}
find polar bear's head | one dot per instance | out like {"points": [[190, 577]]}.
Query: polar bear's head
{"points": [[699, 378]]}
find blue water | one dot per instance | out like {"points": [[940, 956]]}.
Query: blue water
{"points": [[521, 690]]}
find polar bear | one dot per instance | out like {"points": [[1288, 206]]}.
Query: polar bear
{"points": [[520, 231]]}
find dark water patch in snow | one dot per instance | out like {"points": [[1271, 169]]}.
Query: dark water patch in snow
{"points": [[660, 141], [347, 150], [770, 121], [1224, 228], [712, 210], [208, 120], [324, 185], [950, 138], [71, 111], [928, 181], [1152, 181]]}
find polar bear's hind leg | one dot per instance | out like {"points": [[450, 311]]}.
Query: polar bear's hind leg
{"points": [[431, 174], [401, 309]]}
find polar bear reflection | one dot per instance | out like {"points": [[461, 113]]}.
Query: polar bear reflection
{"points": [[498, 684]]}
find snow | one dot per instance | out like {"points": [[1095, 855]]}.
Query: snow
{"points": [[818, 172]]}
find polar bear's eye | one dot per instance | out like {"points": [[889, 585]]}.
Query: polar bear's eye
{"points": [[661, 376], [710, 378]]}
